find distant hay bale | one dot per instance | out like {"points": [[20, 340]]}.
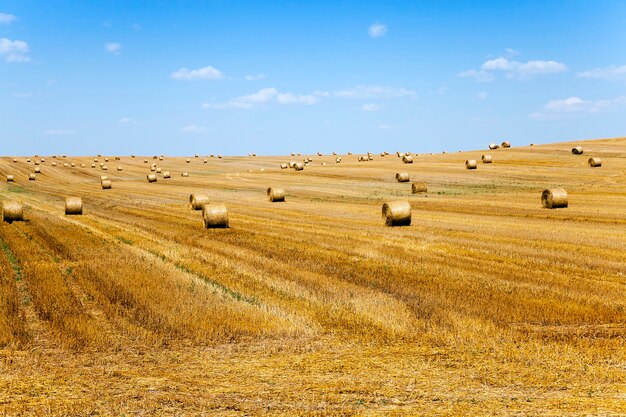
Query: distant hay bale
{"points": [[370, 158], [54, 164], [103, 177], [10, 178], [402, 176], [578, 150], [595, 162], [132, 156], [12, 211], [319, 154], [145, 161], [196, 155], [212, 156], [284, 166], [166, 174], [160, 158], [37, 162], [471, 164], [532, 144], [93, 165], [65, 164], [73, 164], [397, 213], [338, 160], [82, 165], [205, 161], [31, 177], [493, 146], [105, 168], [95, 159], [505, 144], [43, 160], [119, 168], [219, 156], [196, 201], [106, 184], [106, 159], [99, 155], [158, 170], [151, 177], [419, 187], [184, 174], [188, 160], [323, 163], [298, 166], [275, 194], [487, 159], [152, 169], [407, 159], [28, 160], [253, 154], [73, 206], [15, 160], [293, 154], [117, 158], [215, 216], [556, 198], [349, 153], [37, 170]]}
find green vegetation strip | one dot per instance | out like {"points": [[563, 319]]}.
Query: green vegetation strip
{"points": [[12, 260]]}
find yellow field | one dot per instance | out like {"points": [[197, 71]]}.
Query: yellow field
{"points": [[488, 304]]}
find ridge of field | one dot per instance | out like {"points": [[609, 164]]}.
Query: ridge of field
{"points": [[488, 304]]}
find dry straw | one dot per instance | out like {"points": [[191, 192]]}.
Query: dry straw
{"points": [[103, 177], [37, 162], [28, 160], [578, 150], [292, 164], [556, 198], [338, 160], [487, 159], [196, 201], [493, 146], [419, 187], [158, 170], [152, 169], [15, 160], [402, 176], [166, 174], [215, 216], [105, 168], [275, 194], [106, 184], [31, 177], [37, 170], [298, 166], [471, 164], [119, 168], [151, 177], [397, 213], [93, 165], [10, 178], [505, 144], [12, 211], [595, 162], [184, 174], [407, 159], [284, 166], [205, 161], [188, 160], [54, 164], [73, 205]]}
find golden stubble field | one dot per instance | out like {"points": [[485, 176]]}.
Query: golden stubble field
{"points": [[488, 304]]}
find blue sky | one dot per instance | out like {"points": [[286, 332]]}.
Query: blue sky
{"points": [[180, 77]]}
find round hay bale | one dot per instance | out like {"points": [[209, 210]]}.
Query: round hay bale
{"points": [[371, 158], [106, 159], [205, 161], [106, 184], [505, 144], [212, 156], [166, 174], [338, 160], [188, 160], [105, 168], [402, 176], [407, 159], [419, 187], [95, 159], [293, 154], [215, 216], [158, 170], [82, 165], [275, 194], [219, 156], [595, 162], [119, 168], [555, 198], [349, 153], [196, 201], [73, 164], [43, 161], [493, 146], [99, 155], [153, 169], [54, 164], [323, 163], [196, 155], [151, 177], [132, 156], [12, 211], [31, 177], [37, 162], [319, 154], [577, 150], [10, 178], [487, 159], [145, 161], [284, 166], [397, 213], [471, 164], [73, 205], [184, 174], [28, 160], [117, 158], [93, 165], [15, 160], [298, 166], [103, 177], [37, 170], [160, 158]]}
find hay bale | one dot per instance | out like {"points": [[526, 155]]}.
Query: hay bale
{"points": [[153, 169], [28, 160], [119, 168], [275, 194], [31, 177], [196, 201], [10, 178], [166, 174], [323, 163], [338, 160], [205, 161], [93, 165], [487, 159], [215, 216], [151, 177], [402, 176], [471, 164], [184, 174], [73, 205], [158, 170], [349, 153], [12, 211], [103, 177], [505, 144], [419, 187], [105, 168], [106, 184], [555, 198], [82, 165], [577, 150], [95, 159], [595, 162], [43, 160], [106, 159], [219, 156], [284, 166], [293, 154], [145, 161], [188, 160], [196, 155], [397, 213], [15, 160], [132, 156], [407, 159], [37, 162], [160, 158], [493, 146], [37, 170], [73, 164], [54, 164], [298, 166], [212, 156]]}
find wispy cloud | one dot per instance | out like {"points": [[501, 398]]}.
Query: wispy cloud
{"points": [[573, 106], [510, 52], [193, 129], [514, 69], [265, 95], [371, 107], [377, 30], [478, 75], [205, 73], [22, 95], [255, 77], [7, 19], [130, 121], [58, 132], [612, 73], [14, 51], [386, 127], [368, 92], [113, 48]]}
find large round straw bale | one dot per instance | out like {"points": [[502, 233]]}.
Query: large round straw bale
{"points": [[275, 194], [153, 169], [184, 174], [95, 159], [219, 156], [419, 187], [10, 178], [205, 160], [31, 177], [349, 153], [298, 166], [505, 144], [28, 160], [106, 159], [103, 177], [493, 146], [73, 164], [106, 184], [188, 160], [196, 155], [117, 158], [215, 216], [577, 150], [119, 168], [43, 160], [158, 170], [12, 211], [487, 159], [132, 156], [73, 205], [402, 176], [555, 198], [99, 155], [595, 162], [371, 158], [166, 174], [319, 154], [284, 166], [145, 161], [471, 164], [196, 201], [293, 154], [54, 164], [37, 170], [407, 159], [105, 168], [397, 213], [212, 155], [93, 165], [36, 162], [151, 177], [15, 160]]}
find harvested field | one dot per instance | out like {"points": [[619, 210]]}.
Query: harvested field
{"points": [[487, 304]]}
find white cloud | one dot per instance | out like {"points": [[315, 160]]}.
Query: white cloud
{"points": [[193, 129], [482, 95], [368, 91], [385, 127], [205, 73], [130, 121], [512, 52], [481, 76], [514, 69], [255, 77], [58, 132], [22, 95], [7, 19], [573, 106], [265, 95], [113, 47], [377, 30], [14, 51], [612, 73], [370, 107], [289, 98]]}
